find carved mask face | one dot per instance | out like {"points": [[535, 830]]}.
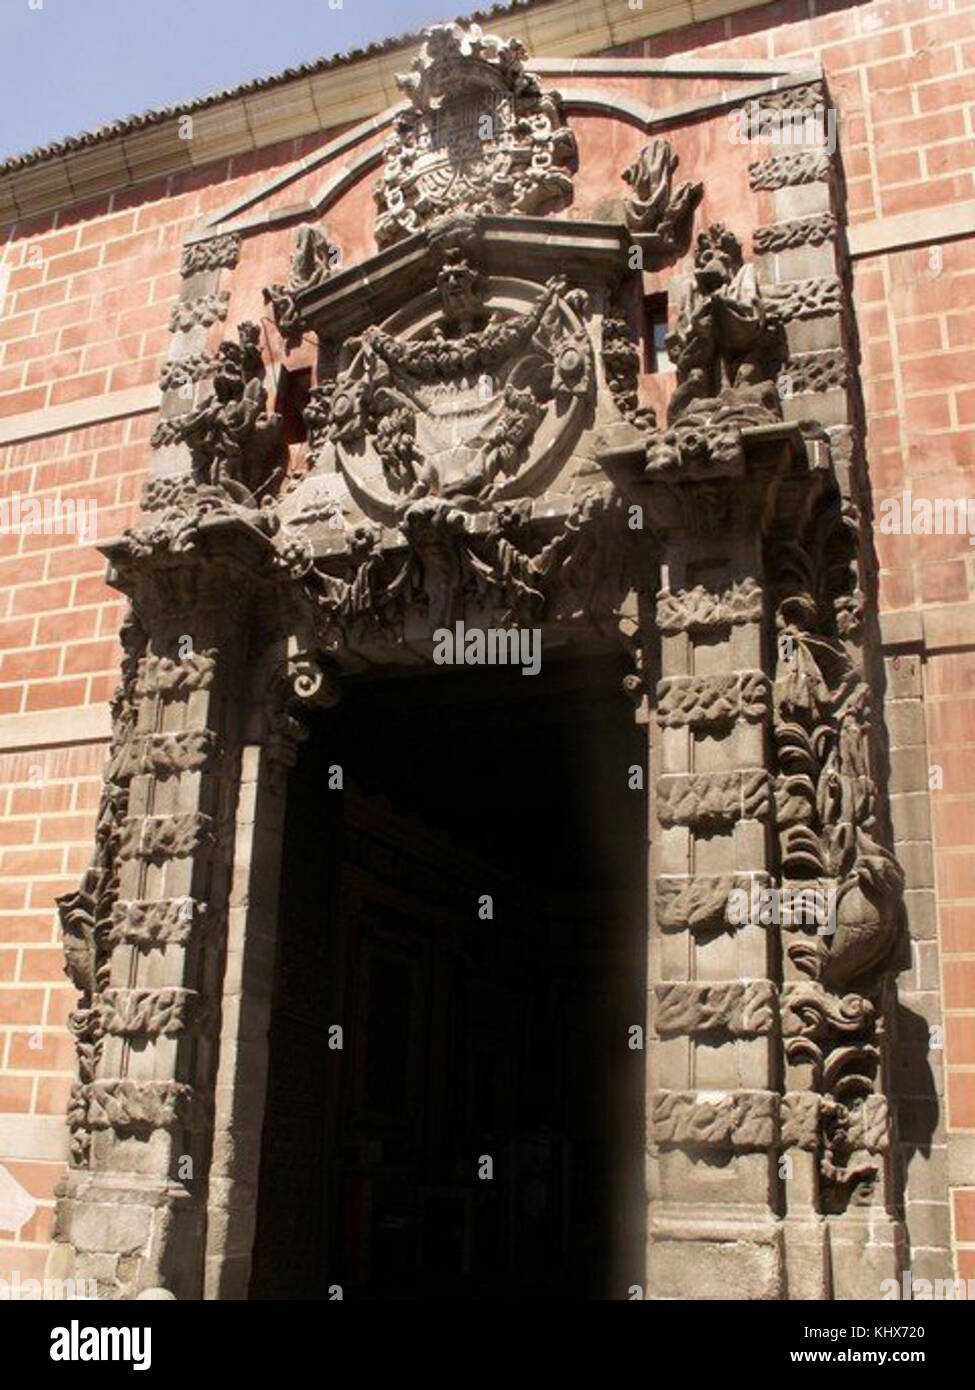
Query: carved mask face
{"points": [[456, 283], [716, 260]]}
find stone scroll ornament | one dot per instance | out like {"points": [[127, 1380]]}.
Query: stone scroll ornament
{"points": [[479, 134], [659, 215], [727, 347], [830, 838], [313, 261]]}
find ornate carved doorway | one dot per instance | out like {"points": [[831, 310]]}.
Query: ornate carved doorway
{"points": [[482, 449], [469, 907]]}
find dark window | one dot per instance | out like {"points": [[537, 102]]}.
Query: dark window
{"points": [[294, 388], [655, 333]]}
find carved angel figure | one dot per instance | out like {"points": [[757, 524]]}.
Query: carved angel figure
{"points": [[727, 337], [232, 436]]}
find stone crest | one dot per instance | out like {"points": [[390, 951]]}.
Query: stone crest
{"points": [[479, 134]]}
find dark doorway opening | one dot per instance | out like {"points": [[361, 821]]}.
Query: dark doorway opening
{"points": [[479, 1133]]}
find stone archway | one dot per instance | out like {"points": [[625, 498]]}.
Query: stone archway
{"points": [[479, 453]]}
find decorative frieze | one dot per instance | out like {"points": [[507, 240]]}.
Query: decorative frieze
{"points": [[697, 902], [706, 800], [731, 1121], [701, 701], [167, 755], [740, 1008], [682, 610], [814, 371], [198, 313], [164, 837], [174, 678], [156, 923], [807, 299], [127, 1105], [147, 1012], [789, 169], [216, 253], [789, 236]]}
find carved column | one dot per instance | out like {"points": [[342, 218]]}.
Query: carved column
{"points": [[132, 1208], [712, 1104], [768, 1127]]}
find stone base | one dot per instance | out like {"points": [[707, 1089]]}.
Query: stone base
{"points": [[128, 1236], [867, 1247], [807, 1259], [714, 1255]]}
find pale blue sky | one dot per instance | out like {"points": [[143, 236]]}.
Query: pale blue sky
{"points": [[71, 65]]}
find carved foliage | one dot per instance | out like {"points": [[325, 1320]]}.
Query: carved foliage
{"points": [[740, 1008], [807, 299], [697, 903], [706, 800], [201, 312], [213, 254], [683, 610], [801, 231], [148, 1012], [737, 1120], [829, 834], [709, 700], [130, 1106], [156, 922], [86, 913], [789, 169]]}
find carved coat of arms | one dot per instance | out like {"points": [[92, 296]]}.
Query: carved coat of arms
{"points": [[479, 134]]}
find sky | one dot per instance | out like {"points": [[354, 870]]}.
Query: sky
{"points": [[70, 65]]}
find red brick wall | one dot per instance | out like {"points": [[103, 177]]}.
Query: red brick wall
{"points": [[85, 313]]}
